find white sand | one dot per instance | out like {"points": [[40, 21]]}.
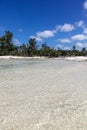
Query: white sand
{"points": [[43, 95], [20, 57], [75, 58]]}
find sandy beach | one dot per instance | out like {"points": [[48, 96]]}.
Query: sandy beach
{"points": [[20, 57], [75, 58], [43, 95]]}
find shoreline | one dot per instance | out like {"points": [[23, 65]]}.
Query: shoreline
{"points": [[72, 58], [77, 58], [21, 57]]}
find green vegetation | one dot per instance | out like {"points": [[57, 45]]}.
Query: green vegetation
{"points": [[7, 47]]}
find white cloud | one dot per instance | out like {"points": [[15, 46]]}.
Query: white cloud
{"points": [[67, 28], [64, 40], [85, 30], [16, 42], [58, 27], [79, 37], [85, 5], [46, 34], [80, 24], [81, 45], [37, 38], [20, 30]]}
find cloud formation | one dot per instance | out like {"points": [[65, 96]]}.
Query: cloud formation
{"points": [[80, 24], [81, 45], [67, 28], [64, 40], [79, 37], [85, 30], [37, 38], [46, 34], [75, 38], [51, 33], [85, 5]]}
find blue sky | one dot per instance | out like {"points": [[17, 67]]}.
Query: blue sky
{"points": [[60, 23]]}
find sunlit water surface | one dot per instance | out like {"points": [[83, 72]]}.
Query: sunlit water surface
{"points": [[43, 94]]}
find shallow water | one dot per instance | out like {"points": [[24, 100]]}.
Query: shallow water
{"points": [[43, 95]]}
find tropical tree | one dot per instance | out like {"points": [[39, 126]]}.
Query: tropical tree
{"points": [[6, 44], [83, 51], [32, 47], [23, 50]]}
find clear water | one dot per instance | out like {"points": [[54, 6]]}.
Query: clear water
{"points": [[43, 95]]}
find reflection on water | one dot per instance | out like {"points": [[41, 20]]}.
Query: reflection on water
{"points": [[43, 95]]}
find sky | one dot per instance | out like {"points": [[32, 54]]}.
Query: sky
{"points": [[59, 23]]}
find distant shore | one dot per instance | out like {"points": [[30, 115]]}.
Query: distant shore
{"points": [[21, 57], [77, 58], [72, 58]]}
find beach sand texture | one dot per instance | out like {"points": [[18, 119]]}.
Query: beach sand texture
{"points": [[43, 94]]}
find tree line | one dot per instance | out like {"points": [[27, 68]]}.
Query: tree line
{"points": [[7, 47]]}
